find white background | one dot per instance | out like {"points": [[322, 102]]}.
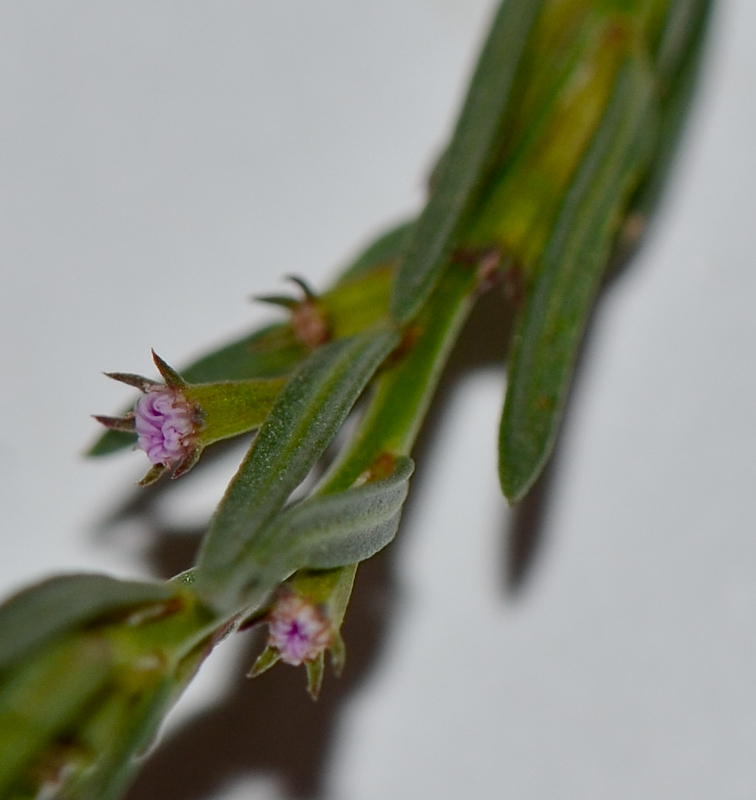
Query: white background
{"points": [[161, 161]]}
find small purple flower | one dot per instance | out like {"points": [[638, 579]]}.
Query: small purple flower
{"points": [[298, 630], [165, 425]]}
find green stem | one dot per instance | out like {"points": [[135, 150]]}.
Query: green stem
{"points": [[404, 391]]}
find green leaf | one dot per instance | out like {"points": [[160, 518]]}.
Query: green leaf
{"points": [[467, 159], [547, 338], [301, 424], [680, 57], [52, 608], [111, 442], [333, 530]]}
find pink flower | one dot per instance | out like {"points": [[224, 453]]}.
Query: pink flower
{"points": [[298, 630], [165, 425]]}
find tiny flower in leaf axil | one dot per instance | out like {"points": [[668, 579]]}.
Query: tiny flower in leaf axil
{"points": [[304, 620], [166, 425], [166, 421], [308, 319], [298, 630], [174, 421]]}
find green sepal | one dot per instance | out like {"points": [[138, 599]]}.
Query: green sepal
{"points": [[307, 290], [338, 653], [132, 379], [268, 658], [154, 474], [315, 671], [329, 588], [187, 463]]}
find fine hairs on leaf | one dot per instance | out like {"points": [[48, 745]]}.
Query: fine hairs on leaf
{"points": [[556, 161]]}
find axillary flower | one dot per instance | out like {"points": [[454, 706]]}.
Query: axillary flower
{"points": [[298, 630], [174, 421], [304, 621], [165, 425]]}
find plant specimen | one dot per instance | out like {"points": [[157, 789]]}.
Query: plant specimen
{"points": [[551, 173]]}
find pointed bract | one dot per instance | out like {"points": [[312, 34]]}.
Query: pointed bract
{"points": [[265, 661], [315, 670], [303, 285], [129, 378], [171, 377], [187, 463], [154, 474], [125, 423], [282, 300]]}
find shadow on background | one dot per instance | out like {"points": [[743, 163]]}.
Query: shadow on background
{"points": [[270, 726]]}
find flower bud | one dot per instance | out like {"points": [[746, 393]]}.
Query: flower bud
{"points": [[298, 630], [304, 621], [167, 425], [174, 421]]}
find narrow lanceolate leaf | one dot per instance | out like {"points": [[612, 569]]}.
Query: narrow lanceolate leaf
{"points": [[333, 530], [546, 341], [56, 606], [679, 59], [301, 424], [467, 159]]}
